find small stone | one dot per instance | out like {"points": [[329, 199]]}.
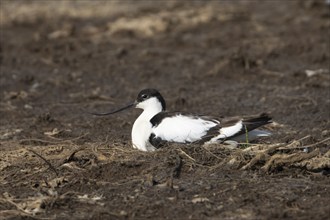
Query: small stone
{"points": [[123, 213], [27, 106], [325, 133]]}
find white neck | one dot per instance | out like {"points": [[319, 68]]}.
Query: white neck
{"points": [[142, 126], [150, 107]]}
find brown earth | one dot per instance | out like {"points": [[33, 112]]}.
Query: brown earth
{"points": [[222, 58]]}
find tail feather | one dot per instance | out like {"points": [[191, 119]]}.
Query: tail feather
{"points": [[252, 123], [252, 135], [238, 127]]}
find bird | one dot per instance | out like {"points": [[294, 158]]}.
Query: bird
{"points": [[155, 126]]}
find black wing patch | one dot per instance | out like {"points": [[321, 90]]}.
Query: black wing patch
{"points": [[157, 119], [253, 122], [212, 132], [157, 142]]}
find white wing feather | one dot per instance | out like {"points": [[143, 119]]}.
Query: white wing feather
{"points": [[182, 128]]}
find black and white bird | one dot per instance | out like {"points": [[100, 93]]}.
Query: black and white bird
{"points": [[156, 126]]}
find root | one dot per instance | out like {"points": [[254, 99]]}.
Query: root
{"points": [[281, 160], [46, 161], [272, 157]]}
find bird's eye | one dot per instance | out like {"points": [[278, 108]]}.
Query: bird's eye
{"points": [[144, 96]]}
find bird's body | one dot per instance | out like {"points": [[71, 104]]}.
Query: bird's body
{"points": [[155, 126]]}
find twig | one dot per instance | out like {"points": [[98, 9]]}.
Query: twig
{"points": [[70, 158], [315, 144], [294, 98], [17, 206], [39, 140], [295, 142], [307, 146], [246, 135], [7, 199], [259, 157], [46, 161], [207, 150], [262, 155], [261, 147], [51, 142], [69, 140], [17, 213], [177, 168], [184, 153]]}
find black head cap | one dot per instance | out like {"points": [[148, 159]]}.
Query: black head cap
{"points": [[150, 93]]}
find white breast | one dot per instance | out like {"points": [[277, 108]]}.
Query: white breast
{"points": [[182, 129], [141, 130], [140, 135]]}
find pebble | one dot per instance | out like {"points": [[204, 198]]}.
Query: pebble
{"points": [[325, 133]]}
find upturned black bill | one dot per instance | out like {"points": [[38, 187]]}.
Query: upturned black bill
{"points": [[113, 112]]}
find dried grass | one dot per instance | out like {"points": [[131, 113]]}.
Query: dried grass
{"points": [[71, 161]]}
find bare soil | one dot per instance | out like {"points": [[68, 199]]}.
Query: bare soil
{"points": [[222, 58]]}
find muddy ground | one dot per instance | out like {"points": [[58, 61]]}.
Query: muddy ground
{"points": [[221, 58]]}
